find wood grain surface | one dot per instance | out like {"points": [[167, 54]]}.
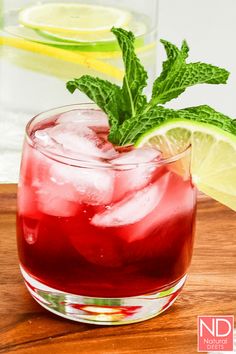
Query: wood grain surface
{"points": [[26, 328]]}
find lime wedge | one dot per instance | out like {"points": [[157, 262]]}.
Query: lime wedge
{"points": [[213, 161], [73, 18]]}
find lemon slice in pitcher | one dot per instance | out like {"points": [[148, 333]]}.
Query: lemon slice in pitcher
{"points": [[36, 56]]}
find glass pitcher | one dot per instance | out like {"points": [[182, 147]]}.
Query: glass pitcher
{"points": [[37, 57]]}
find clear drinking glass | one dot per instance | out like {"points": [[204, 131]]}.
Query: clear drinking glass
{"points": [[35, 64], [105, 233]]}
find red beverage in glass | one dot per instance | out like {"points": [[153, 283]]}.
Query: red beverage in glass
{"points": [[105, 234]]}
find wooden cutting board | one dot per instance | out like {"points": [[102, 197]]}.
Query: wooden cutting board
{"points": [[26, 328]]}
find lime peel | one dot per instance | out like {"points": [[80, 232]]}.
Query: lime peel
{"points": [[188, 124], [208, 171]]}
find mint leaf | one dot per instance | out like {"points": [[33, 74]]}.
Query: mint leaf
{"points": [[118, 103], [134, 127], [177, 75], [175, 59], [135, 78], [129, 113], [106, 95], [207, 114]]}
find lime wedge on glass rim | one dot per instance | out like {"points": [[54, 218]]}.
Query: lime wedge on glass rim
{"points": [[213, 154]]}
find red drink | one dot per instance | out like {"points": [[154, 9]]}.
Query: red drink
{"points": [[97, 222]]}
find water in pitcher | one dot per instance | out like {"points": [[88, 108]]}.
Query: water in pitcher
{"points": [[39, 52]]}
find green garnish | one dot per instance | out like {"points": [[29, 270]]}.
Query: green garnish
{"points": [[129, 112]]}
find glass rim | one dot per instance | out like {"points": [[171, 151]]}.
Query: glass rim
{"points": [[86, 163]]}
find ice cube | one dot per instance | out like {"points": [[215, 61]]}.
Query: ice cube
{"points": [[39, 194], [42, 138], [134, 208], [73, 137], [134, 173], [86, 185], [53, 199], [62, 187], [87, 117], [137, 156], [51, 204], [80, 140]]}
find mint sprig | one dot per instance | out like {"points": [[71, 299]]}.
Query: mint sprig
{"points": [[135, 79], [129, 113], [177, 75]]}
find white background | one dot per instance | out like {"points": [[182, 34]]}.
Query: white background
{"points": [[209, 26]]}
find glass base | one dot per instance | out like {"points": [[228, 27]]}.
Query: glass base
{"points": [[102, 311]]}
